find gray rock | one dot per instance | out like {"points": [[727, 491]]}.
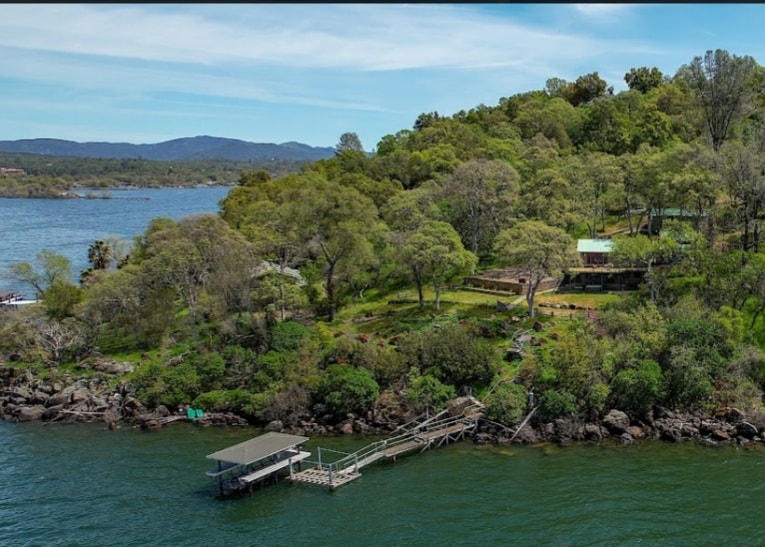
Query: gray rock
{"points": [[79, 396], [113, 367], [746, 430], [617, 422], [275, 425], [51, 412], [162, 411], [39, 397], [111, 416], [21, 393], [60, 398], [720, 435], [30, 413]]}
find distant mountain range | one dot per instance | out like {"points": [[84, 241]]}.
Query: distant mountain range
{"points": [[189, 148]]}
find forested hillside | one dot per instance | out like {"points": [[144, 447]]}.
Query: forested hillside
{"points": [[185, 149], [374, 316]]}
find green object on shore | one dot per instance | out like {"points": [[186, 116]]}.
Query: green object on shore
{"points": [[194, 413]]}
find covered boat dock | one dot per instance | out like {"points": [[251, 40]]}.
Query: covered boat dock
{"points": [[252, 462]]}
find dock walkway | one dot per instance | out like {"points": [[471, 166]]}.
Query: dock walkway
{"points": [[419, 435]]}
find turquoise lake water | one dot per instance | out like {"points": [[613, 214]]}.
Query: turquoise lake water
{"points": [[80, 484]]}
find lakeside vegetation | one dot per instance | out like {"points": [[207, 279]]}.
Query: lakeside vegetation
{"points": [[363, 310]]}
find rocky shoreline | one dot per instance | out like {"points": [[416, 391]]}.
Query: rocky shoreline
{"points": [[24, 398]]}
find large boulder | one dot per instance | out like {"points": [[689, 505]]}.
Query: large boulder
{"points": [[526, 435], [30, 413], [746, 430], [345, 428], [79, 396], [52, 412], [21, 394], [60, 398], [113, 367], [593, 432], [39, 397], [456, 407], [275, 425], [617, 422]]}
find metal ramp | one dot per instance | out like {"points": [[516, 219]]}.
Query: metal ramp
{"points": [[419, 435]]}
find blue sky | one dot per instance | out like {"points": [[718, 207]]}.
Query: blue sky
{"points": [[146, 73]]}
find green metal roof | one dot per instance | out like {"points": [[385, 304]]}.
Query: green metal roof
{"points": [[594, 245]]}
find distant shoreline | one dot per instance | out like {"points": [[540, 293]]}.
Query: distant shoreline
{"points": [[99, 193]]}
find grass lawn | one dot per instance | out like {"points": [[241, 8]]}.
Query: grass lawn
{"points": [[398, 312]]}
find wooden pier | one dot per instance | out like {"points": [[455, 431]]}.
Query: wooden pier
{"points": [[419, 435]]}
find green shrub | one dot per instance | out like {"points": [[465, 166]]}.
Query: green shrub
{"points": [[212, 401], [346, 389], [507, 403], [238, 401], [635, 389], [157, 384], [556, 404], [428, 392], [211, 368], [270, 368], [287, 336], [453, 353]]}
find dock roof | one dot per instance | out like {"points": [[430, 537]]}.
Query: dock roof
{"points": [[257, 448], [594, 245]]}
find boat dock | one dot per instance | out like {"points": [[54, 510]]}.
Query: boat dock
{"points": [[251, 463], [244, 465]]}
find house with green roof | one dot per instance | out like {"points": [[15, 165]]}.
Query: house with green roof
{"points": [[597, 272], [594, 251]]}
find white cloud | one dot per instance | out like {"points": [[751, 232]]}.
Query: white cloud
{"points": [[602, 10], [372, 58], [348, 37]]}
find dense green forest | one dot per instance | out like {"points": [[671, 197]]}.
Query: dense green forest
{"points": [[58, 176], [338, 288]]}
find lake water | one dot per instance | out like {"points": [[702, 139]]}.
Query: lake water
{"points": [[78, 485], [69, 226]]}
